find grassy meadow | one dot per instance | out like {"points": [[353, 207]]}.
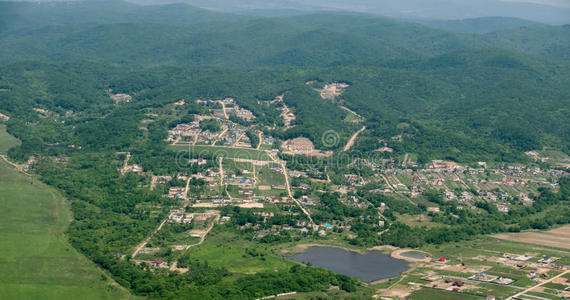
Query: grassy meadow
{"points": [[36, 262], [6, 141], [226, 249]]}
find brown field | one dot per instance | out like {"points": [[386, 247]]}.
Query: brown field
{"points": [[559, 238]]}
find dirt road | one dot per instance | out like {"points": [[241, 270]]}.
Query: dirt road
{"points": [[219, 136], [19, 168], [515, 296], [353, 139], [351, 111], [260, 135], [204, 234], [221, 160], [237, 140], [387, 182], [224, 108], [187, 188], [288, 185], [143, 244]]}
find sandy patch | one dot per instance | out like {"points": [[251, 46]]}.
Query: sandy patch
{"points": [[205, 204], [251, 205], [397, 255]]}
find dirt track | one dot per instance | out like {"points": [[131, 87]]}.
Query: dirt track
{"points": [[559, 237], [353, 139]]}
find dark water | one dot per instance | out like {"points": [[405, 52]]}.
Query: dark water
{"points": [[415, 254], [373, 265]]}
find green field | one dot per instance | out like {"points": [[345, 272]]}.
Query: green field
{"points": [[433, 294], [267, 177], [224, 152], [36, 262], [418, 221], [6, 141], [226, 249]]}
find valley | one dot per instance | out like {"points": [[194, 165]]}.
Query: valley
{"points": [[173, 152]]}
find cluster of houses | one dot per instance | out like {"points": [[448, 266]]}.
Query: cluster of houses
{"points": [[188, 132], [178, 217]]}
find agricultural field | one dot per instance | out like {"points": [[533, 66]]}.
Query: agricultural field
{"points": [[559, 237], [37, 262]]}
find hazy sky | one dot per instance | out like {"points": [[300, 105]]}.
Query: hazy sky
{"points": [[557, 3], [545, 11]]}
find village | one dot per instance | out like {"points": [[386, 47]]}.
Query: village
{"points": [[233, 172], [234, 177]]}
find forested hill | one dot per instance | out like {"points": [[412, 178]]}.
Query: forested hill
{"points": [[455, 91], [25, 15], [137, 36]]}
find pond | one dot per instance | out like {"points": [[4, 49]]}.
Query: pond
{"points": [[371, 266]]}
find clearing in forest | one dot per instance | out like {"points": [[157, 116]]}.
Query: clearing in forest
{"points": [[333, 90]]}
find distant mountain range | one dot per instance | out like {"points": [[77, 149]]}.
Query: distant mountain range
{"points": [[549, 12], [554, 12]]}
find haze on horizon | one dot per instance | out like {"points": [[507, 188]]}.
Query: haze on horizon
{"points": [[555, 12]]}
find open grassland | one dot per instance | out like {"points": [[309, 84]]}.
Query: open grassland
{"points": [[269, 178], [6, 141], [36, 262], [226, 249], [228, 152], [558, 238], [418, 221]]}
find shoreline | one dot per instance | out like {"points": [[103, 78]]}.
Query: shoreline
{"points": [[397, 254], [300, 248], [393, 251]]}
